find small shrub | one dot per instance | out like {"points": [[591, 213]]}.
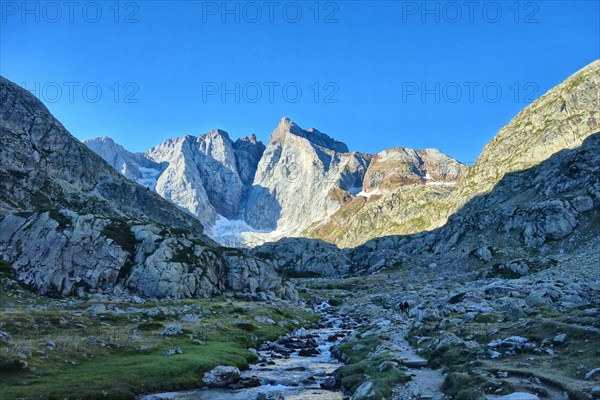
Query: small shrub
{"points": [[335, 302], [12, 365], [469, 394], [457, 383], [246, 326], [457, 298], [150, 326]]}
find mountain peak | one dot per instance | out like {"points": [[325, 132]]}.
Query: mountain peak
{"points": [[287, 126], [217, 132]]}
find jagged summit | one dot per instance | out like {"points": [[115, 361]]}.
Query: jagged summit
{"points": [[242, 189], [304, 182], [287, 126]]}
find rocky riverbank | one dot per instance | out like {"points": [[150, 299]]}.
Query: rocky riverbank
{"points": [[106, 346], [298, 365], [484, 333]]}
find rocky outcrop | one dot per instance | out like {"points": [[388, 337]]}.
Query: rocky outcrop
{"points": [[399, 166], [298, 257], [66, 253]]}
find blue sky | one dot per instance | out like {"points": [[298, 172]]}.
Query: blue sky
{"points": [[372, 74]]}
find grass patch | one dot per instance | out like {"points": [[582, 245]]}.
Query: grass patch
{"points": [[463, 386], [121, 355]]}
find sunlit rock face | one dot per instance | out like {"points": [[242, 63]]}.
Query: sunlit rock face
{"points": [[305, 183], [302, 177]]}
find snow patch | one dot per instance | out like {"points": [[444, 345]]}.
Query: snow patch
{"points": [[369, 194], [149, 177], [237, 233]]}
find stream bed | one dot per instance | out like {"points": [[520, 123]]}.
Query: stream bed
{"points": [[296, 366]]}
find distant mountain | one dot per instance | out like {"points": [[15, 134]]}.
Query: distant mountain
{"points": [[134, 166], [245, 193], [562, 118], [305, 183], [400, 191]]}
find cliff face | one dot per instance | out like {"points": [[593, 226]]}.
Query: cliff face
{"points": [[301, 179]]}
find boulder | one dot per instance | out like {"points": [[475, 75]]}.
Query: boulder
{"points": [[172, 329], [221, 376], [516, 396]]}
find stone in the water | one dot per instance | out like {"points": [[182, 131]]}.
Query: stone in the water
{"points": [[516, 396], [270, 396], [309, 352], [221, 376], [330, 383]]}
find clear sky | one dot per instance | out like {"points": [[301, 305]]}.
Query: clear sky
{"points": [[372, 74]]}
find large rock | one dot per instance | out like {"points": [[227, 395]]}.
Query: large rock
{"points": [[221, 376], [65, 253], [516, 396]]}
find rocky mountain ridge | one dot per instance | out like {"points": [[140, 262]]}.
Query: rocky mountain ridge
{"points": [[71, 224], [245, 193], [561, 118], [531, 215], [516, 208]]}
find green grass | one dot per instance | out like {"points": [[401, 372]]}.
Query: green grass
{"points": [[462, 386], [113, 365]]}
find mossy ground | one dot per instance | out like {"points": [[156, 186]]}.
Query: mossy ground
{"points": [[362, 365], [563, 368], [121, 354]]}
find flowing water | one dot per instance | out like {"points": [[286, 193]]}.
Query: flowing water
{"points": [[294, 376]]}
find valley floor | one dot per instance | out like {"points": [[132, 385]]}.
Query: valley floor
{"points": [[460, 335], [483, 337], [100, 347]]}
